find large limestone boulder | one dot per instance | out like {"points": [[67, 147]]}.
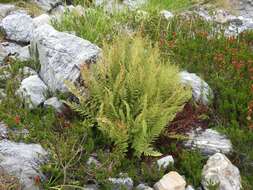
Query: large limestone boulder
{"points": [[18, 27], [5, 9], [22, 161], [171, 181], [61, 55], [47, 5], [42, 19], [200, 89], [208, 142], [33, 91], [220, 171]]}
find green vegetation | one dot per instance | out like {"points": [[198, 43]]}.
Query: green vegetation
{"points": [[94, 26], [135, 94], [226, 64], [171, 5]]}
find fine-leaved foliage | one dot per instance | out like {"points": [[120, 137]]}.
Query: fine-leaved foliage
{"points": [[135, 94]]}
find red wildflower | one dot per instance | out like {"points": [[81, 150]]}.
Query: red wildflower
{"points": [[37, 180], [17, 119]]}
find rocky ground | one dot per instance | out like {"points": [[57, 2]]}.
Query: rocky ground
{"points": [[61, 55]]}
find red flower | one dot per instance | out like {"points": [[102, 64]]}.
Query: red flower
{"points": [[17, 119], [37, 180]]}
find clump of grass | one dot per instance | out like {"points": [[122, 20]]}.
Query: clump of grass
{"points": [[190, 164], [171, 5], [94, 26]]}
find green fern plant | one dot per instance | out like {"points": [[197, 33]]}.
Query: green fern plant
{"points": [[135, 94]]}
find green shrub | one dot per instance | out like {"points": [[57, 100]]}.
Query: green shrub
{"points": [[190, 164], [136, 94]]}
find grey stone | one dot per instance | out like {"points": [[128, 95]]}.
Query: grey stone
{"points": [[3, 55], [5, 9], [166, 14], [47, 5], [91, 187], [92, 161], [42, 19], [119, 183], [189, 187], [208, 142], [18, 27], [15, 51], [56, 104], [219, 170], [165, 162], [22, 161], [10, 48], [3, 131], [33, 91], [61, 56], [143, 187], [200, 89], [24, 54]]}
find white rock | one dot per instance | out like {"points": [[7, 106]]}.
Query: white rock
{"points": [[18, 27], [33, 91], [200, 89], [3, 131], [42, 19], [208, 142], [143, 187], [3, 55], [91, 187], [24, 54], [219, 170], [189, 187], [47, 5], [165, 162], [56, 104], [119, 183], [134, 4], [92, 161], [171, 181], [166, 14], [11, 48], [5, 9], [22, 161], [61, 55], [15, 51]]}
